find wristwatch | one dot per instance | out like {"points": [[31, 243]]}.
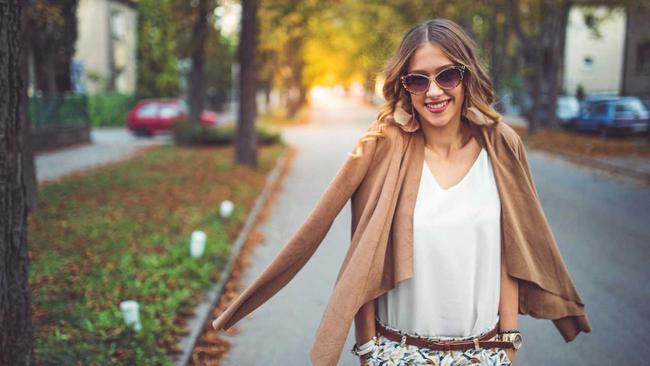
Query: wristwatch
{"points": [[512, 336], [365, 349]]}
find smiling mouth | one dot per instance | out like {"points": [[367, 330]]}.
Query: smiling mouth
{"points": [[438, 106]]}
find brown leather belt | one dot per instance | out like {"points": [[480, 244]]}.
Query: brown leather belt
{"points": [[481, 342]]}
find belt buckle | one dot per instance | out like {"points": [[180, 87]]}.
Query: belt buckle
{"points": [[476, 344], [442, 345]]}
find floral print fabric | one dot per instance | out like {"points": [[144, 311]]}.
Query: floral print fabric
{"points": [[391, 353]]}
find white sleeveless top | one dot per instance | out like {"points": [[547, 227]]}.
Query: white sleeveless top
{"points": [[454, 291]]}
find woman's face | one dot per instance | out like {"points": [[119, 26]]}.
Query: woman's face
{"points": [[436, 107]]}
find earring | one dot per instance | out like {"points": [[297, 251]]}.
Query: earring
{"points": [[475, 115], [406, 121]]}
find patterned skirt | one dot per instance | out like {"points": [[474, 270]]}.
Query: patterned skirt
{"points": [[391, 353]]}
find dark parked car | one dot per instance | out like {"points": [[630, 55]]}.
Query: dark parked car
{"points": [[613, 114], [149, 116]]}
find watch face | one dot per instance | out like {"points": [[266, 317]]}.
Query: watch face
{"points": [[517, 342]]}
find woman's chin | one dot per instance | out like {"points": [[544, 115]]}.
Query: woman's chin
{"points": [[438, 122]]}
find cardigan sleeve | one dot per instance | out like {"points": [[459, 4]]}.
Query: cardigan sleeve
{"points": [[304, 242], [574, 318]]}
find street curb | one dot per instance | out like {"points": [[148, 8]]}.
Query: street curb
{"points": [[643, 178], [202, 311]]}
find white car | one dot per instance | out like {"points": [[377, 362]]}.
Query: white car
{"points": [[567, 109]]}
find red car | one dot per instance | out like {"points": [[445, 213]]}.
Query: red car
{"points": [[149, 116]]}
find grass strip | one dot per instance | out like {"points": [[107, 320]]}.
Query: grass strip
{"points": [[122, 232]]}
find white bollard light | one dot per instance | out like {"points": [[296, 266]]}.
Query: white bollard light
{"points": [[197, 244], [226, 208], [131, 314]]}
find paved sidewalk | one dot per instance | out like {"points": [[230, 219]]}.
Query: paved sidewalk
{"points": [[108, 145], [292, 316]]}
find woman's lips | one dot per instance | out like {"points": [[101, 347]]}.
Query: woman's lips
{"points": [[438, 106]]}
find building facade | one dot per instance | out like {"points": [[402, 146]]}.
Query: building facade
{"points": [[105, 57], [594, 50]]}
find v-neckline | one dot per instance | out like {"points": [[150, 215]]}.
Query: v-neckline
{"points": [[467, 173]]}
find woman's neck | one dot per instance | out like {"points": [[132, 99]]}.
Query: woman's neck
{"points": [[443, 141]]}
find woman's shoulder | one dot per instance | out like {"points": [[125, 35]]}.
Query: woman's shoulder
{"points": [[502, 133], [390, 129], [379, 140], [383, 133]]}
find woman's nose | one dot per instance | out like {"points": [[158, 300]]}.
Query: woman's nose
{"points": [[434, 90]]}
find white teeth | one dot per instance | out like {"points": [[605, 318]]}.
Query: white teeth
{"points": [[437, 105]]}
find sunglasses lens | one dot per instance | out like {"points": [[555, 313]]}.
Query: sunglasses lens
{"points": [[416, 83], [449, 78]]}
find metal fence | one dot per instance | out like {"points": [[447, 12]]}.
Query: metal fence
{"points": [[59, 109]]}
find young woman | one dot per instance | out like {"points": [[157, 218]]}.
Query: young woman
{"points": [[449, 240]]}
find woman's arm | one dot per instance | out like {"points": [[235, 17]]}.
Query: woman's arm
{"points": [[508, 303], [364, 324], [304, 242]]}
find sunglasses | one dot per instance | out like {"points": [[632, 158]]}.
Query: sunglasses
{"points": [[446, 79]]}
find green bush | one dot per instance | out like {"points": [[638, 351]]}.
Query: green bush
{"points": [[186, 134], [109, 109]]}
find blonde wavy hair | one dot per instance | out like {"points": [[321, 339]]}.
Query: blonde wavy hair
{"points": [[462, 50]]}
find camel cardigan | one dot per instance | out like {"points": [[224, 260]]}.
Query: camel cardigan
{"points": [[382, 183]]}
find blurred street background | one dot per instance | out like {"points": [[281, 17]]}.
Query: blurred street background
{"points": [[142, 117]]}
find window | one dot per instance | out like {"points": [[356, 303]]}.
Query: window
{"points": [[588, 63], [590, 108], [118, 24], [148, 111], [629, 105], [600, 108], [168, 111]]}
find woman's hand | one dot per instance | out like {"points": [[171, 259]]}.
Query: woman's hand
{"points": [[364, 324], [508, 304], [511, 353], [365, 360]]}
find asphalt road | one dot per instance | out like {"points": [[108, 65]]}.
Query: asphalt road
{"points": [[601, 224], [108, 145]]}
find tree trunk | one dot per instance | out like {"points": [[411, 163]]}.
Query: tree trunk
{"points": [[197, 73], [499, 57], [297, 92], [369, 86], [15, 309], [50, 76], [495, 55], [246, 153], [556, 51], [29, 171], [536, 88]]}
